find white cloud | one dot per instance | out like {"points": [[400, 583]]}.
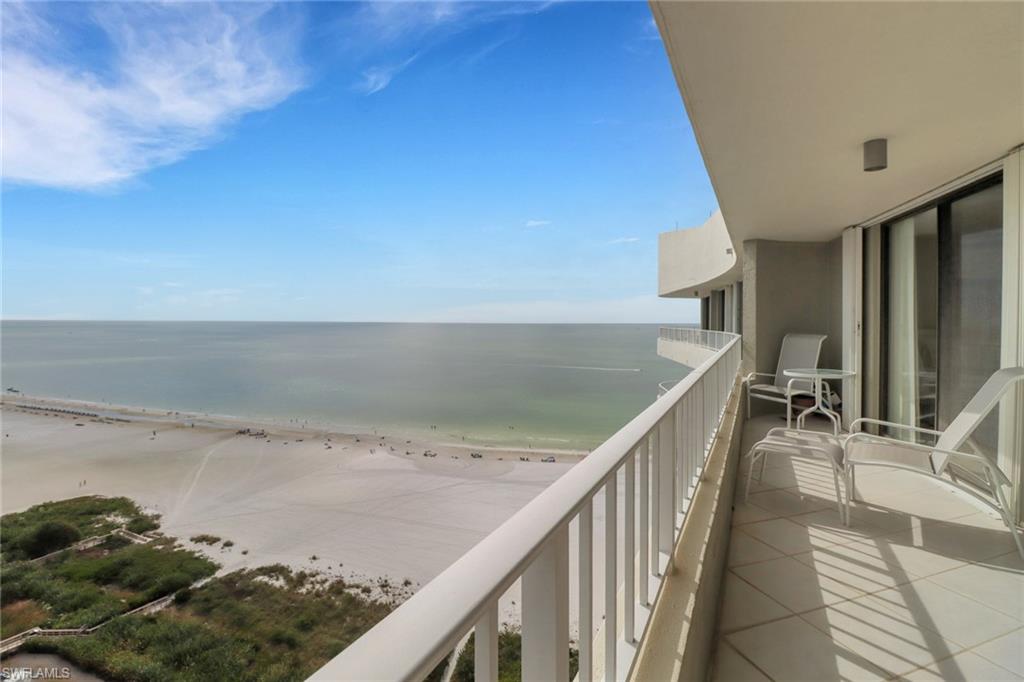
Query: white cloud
{"points": [[377, 78], [177, 75], [537, 223], [625, 240]]}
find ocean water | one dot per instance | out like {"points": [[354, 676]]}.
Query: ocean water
{"points": [[566, 386]]}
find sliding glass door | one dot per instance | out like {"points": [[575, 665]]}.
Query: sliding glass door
{"points": [[941, 308], [970, 305]]}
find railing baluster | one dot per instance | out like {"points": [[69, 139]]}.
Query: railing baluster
{"points": [[666, 503], [586, 591], [655, 501], [610, 578], [645, 511], [677, 458], [705, 414], [545, 638], [485, 647], [628, 552]]}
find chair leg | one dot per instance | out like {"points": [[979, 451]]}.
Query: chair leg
{"points": [[764, 465], [754, 454], [849, 493], [839, 496], [853, 484]]}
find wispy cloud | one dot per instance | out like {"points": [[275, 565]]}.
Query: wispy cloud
{"points": [[537, 223], [624, 240], [382, 33], [376, 78], [175, 77]]}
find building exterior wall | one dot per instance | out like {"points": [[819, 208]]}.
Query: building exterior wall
{"points": [[790, 287]]}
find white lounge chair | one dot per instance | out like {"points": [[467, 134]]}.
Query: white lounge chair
{"points": [[865, 449], [798, 351], [846, 452]]}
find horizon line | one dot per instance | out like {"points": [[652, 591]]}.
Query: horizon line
{"points": [[42, 319]]}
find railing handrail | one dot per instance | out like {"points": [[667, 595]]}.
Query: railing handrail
{"points": [[432, 621], [707, 338]]}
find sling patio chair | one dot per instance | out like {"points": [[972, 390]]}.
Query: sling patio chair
{"points": [[798, 351]]}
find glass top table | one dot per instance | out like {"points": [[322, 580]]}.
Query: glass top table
{"points": [[817, 376]]}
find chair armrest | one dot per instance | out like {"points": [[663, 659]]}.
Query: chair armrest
{"points": [[920, 447], [824, 452], [799, 391], [750, 377], [881, 422], [778, 433]]}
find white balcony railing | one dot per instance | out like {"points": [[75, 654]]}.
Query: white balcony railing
{"points": [[697, 337], [659, 456]]}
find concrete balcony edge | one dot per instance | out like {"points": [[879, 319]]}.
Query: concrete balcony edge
{"points": [[680, 637]]}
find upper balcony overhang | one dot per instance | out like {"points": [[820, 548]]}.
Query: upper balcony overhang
{"points": [[782, 96], [694, 261]]}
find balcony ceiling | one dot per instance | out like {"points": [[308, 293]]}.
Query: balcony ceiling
{"points": [[781, 97]]}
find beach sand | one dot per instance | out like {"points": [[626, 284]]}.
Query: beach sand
{"points": [[363, 510]]}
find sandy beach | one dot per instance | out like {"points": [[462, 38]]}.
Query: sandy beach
{"points": [[356, 502]]}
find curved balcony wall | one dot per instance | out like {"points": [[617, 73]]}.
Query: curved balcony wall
{"points": [[694, 261]]}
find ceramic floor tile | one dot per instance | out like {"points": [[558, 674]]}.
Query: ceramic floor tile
{"points": [[745, 606], [907, 550], [1006, 652], [748, 513], [964, 667], [926, 605], [729, 666], [792, 649], [855, 566], [996, 586], [783, 503], [890, 642], [745, 549], [795, 585]]}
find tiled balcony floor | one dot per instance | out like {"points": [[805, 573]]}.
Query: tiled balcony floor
{"points": [[924, 585]]}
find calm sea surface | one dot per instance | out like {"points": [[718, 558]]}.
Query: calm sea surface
{"points": [[555, 385]]}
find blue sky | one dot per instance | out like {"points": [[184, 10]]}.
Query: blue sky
{"points": [[333, 161]]}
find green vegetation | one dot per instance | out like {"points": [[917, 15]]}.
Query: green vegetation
{"points": [[268, 623], [204, 539], [54, 525], [262, 624], [48, 536], [85, 588], [509, 659]]}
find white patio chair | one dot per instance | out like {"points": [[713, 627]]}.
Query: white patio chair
{"points": [[865, 449], [798, 351]]}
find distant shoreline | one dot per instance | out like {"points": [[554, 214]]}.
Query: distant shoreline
{"points": [[277, 427]]}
